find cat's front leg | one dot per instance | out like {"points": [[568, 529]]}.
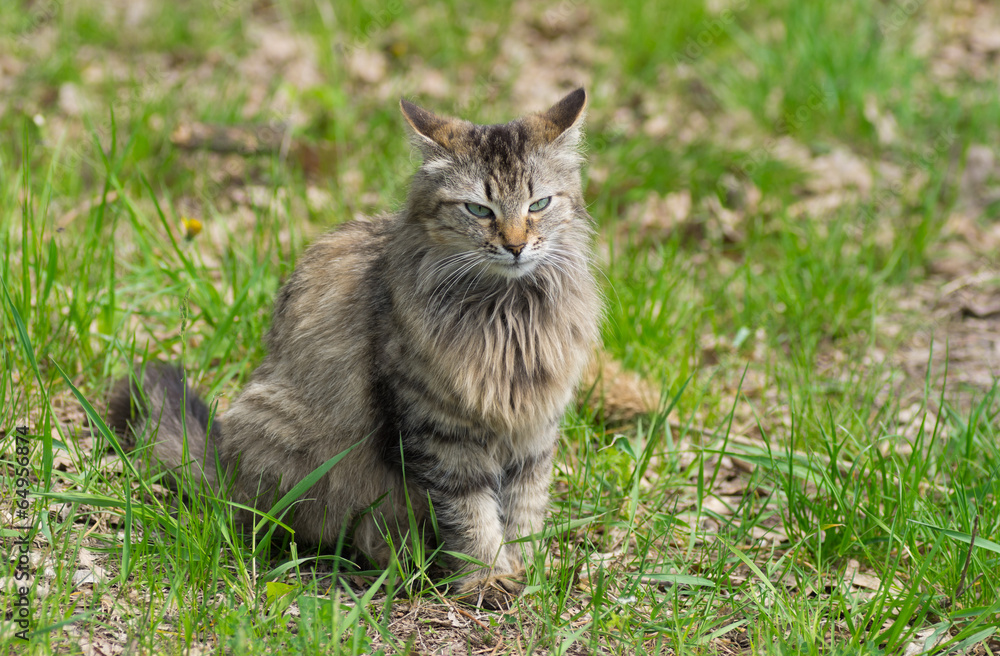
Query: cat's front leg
{"points": [[467, 509], [524, 500], [471, 524]]}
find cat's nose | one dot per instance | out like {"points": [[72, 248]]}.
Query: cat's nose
{"points": [[515, 249]]}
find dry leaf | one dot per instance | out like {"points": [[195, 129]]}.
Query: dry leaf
{"points": [[623, 395], [858, 579]]}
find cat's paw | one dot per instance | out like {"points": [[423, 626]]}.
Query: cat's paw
{"points": [[492, 592]]}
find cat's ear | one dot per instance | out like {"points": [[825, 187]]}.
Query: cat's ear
{"points": [[562, 122], [431, 133]]}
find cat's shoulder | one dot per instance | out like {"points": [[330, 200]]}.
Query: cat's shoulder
{"points": [[338, 262], [361, 238]]}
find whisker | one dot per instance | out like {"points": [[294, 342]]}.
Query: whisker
{"points": [[458, 275], [582, 268], [455, 257], [450, 260], [464, 263], [471, 284], [560, 261]]}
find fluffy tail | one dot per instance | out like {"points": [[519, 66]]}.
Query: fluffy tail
{"points": [[166, 415]]}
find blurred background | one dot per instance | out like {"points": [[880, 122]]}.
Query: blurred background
{"points": [[764, 175]]}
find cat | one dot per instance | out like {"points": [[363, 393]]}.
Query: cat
{"points": [[443, 342]]}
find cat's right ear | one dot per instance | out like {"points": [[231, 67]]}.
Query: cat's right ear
{"points": [[431, 133], [562, 122]]}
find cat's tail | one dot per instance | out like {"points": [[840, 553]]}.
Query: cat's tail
{"points": [[169, 425]]}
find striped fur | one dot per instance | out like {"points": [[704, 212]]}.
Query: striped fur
{"points": [[446, 344]]}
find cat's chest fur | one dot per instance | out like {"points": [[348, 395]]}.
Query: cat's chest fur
{"points": [[501, 354]]}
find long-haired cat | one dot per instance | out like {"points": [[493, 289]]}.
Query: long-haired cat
{"points": [[444, 341]]}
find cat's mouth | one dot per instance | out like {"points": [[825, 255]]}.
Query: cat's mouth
{"points": [[514, 269]]}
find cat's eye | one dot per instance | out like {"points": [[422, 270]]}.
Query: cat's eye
{"points": [[540, 204], [481, 211]]}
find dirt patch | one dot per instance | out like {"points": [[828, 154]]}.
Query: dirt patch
{"points": [[952, 318]]}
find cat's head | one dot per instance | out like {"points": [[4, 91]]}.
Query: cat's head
{"points": [[508, 196]]}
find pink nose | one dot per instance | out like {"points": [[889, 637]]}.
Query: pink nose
{"points": [[515, 249]]}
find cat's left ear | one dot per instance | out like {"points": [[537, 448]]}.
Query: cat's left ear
{"points": [[431, 133], [563, 121]]}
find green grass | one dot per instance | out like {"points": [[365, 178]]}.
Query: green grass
{"points": [[788, 459]]}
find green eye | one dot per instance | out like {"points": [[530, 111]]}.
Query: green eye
{"points": [[481, 211], [540, 204]]}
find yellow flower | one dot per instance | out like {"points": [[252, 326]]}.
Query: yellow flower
{"points": [[398, 48], [191, 227]]}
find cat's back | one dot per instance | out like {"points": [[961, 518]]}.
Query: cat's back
{"points": [[325, 306], [315, 374], [311, 397]]}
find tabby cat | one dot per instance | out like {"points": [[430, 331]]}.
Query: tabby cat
{"points": [[444, 341]]}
